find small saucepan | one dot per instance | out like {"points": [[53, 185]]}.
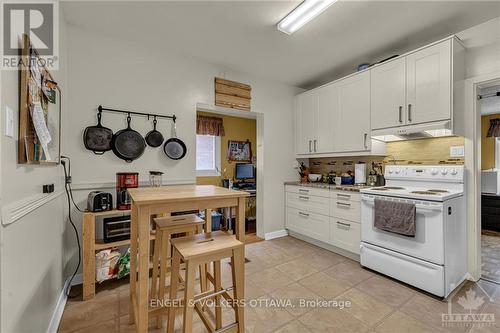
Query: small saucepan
{"points": [[154, 138], [175, 148]]}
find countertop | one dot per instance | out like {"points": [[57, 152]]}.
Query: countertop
{"points": [[353, 188]]}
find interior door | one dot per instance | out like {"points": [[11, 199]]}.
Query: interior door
{"points": [[388, 94], [428, 73], [328, 108], [307, 107], [353, 121]]}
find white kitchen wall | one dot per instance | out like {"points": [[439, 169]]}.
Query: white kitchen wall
{"points": [[483, 48], [31, 249], [121, 74]]}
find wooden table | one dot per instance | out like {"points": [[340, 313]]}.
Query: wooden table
{"points": [[149, 201]]}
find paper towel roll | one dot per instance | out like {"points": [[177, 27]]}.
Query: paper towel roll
{"points": [[360, 173]]}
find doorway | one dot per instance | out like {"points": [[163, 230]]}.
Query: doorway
{"points": [[237, 162], [489, 112]]}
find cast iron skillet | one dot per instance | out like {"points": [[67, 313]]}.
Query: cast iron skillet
{"points": [[175, 148], [154, 138], [128, 144], [98, 138]]}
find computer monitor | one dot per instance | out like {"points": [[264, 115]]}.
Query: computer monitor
{"points": [[245, 171]]}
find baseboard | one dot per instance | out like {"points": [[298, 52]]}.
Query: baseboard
{"points": [[58, 310], [78, 279], [275, 234]]}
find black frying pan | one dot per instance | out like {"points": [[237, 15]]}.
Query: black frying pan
{"points": [[98, 138], [154, 138], [128, 144], [175, 148]]}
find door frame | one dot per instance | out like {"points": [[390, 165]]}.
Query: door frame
{"points": [[472, 134], [259, 123]]}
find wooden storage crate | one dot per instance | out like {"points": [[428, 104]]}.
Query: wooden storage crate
{"points": [[231, 94]]}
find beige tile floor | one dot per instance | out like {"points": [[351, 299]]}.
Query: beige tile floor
{"points": [[289, 269]]}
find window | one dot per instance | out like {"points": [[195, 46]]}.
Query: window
{"points": [[207, 155]]}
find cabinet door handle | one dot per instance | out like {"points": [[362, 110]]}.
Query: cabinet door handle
{"points": [[347, 196], [303, 190], [365, 137], [409, 113], [400, 114], [343, 204], [347, 225], [310, 149], [304, 214], [315, 141], [303, 197]]}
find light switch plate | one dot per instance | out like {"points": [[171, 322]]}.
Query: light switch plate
{"points": [[457, 151], [9, 122]]}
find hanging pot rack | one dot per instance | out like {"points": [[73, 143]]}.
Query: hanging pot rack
{"points": [[101, 109]]}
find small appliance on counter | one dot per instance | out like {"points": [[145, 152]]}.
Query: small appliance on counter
{"points": [[155, 178], [124, 181], [360, 173], [113, 228], [99, 201]]}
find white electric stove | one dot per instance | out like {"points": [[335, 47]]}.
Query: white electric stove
{"points": [[435, 259]]}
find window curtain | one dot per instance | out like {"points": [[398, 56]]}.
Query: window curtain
{"points": [[494, 130], [206, 125]]}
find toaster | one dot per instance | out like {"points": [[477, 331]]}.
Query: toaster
{"points": [[99, 201]]}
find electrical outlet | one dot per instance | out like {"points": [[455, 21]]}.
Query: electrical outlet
{"points": [[457, 151]]}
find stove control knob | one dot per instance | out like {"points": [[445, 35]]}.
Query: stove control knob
{"points": [[434, 172], [454, 172], [444, 172], [390, 171], [397, 171]]}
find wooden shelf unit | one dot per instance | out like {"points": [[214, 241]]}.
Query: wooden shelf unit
{"points": [[91, 245]]}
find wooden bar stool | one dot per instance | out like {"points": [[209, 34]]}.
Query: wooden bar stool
{"points": [[166, 227], [199, 250]]}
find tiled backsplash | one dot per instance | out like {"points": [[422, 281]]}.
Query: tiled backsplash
{"points": [[423, 151]]}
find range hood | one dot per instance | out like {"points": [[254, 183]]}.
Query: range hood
{"points": [[412, 132]]}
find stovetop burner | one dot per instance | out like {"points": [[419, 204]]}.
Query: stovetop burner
{"points": [[424, 192], [388, 188]]}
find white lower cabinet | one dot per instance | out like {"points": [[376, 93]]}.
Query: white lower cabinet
{"points": [[345, 234], [309, 224], [330, 216]]}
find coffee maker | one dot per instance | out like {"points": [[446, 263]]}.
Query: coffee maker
{"points": [[124, 181]]}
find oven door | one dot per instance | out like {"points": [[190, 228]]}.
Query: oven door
{"points": [[428, 243]]}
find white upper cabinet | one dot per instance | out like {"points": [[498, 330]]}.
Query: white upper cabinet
{"points": [[388, 94], [353, 115], [328, 108], [429, 84], [306, 118], [413, 89]]}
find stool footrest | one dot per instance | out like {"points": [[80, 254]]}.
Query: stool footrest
{"points": [[210, 294], [226, 328]]}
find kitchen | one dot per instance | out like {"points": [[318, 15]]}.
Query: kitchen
{"points": [[294, 79]]}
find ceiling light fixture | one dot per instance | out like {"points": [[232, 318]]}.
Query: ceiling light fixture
{"points": [[302, 14]]}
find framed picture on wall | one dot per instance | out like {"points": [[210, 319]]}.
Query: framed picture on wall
{"points": [[239, 151]]}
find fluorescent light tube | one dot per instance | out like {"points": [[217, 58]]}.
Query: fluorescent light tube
{"points": [[302, 14]]}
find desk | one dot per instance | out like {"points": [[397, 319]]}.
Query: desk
{"points": [[165, 200]]}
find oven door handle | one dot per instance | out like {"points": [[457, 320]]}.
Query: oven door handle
{"points": [[418, 206]]}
